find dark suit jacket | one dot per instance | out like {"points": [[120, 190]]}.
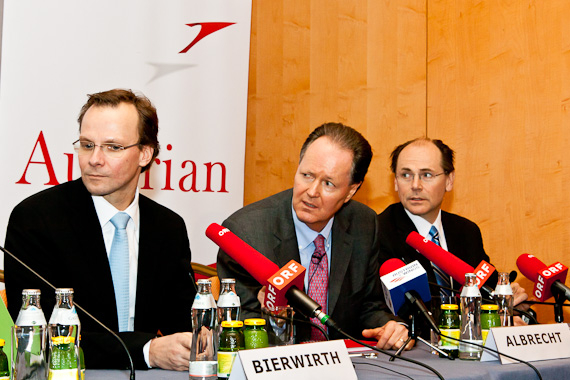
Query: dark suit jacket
{"points": [[58, 234], [463, 239], [355, 296]]}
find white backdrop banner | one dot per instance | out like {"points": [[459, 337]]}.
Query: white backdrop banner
{"points": [[190, 57]]}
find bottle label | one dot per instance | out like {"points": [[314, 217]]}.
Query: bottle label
{"points": [[203, 369], [225, 363], [504, 290], [470, 291], [32, 316], [204, 301], [64, 317], [484, 333], [449, 343], [62, 374], [228, 300]]}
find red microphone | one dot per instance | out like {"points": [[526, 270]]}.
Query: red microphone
{"points": [[450, 264], [278, 281], [548, 279]]}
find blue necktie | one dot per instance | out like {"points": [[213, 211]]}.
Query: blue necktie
{"points": [[440, 276], [119, 262]]}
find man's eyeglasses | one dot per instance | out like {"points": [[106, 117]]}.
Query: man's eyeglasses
{"points": [[425, 177], [109, 149]]}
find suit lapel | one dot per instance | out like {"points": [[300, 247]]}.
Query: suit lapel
{"points": [[98, 284], [341, 254]]}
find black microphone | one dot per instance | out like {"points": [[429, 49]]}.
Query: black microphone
{"points": [[77, 306]]}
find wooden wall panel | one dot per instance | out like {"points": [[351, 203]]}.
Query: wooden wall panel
{"points": [[357, 62], [497, 93]]}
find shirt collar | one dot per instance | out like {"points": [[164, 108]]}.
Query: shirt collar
{"points": [[305, 235], [105, 210], [423, 226]]}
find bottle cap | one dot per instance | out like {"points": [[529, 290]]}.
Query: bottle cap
{"points": [[228, 280], [449, 306], [64, 291], [31, 292], [255, 322], [490, 307], [232, 323], [204, 281], [2, 342]]}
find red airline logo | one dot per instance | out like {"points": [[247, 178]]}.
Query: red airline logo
{"points": [[207, 29]]}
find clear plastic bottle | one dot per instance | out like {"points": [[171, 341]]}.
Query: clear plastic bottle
{"points": [[470, 319], [203, 353], [505, 299], [229, 302], [64, 329]]}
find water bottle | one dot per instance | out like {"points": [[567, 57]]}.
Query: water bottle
{"points": [[64, 328], [32, 336], [228, 302], [470, 319], [504, 298], [203, 353]]}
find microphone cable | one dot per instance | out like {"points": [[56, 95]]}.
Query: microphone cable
{"points": [[132, 375], [330, 323], [496, 352]]}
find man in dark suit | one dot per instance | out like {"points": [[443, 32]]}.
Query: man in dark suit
{"points": [[65, 234], [287, 226], [424, 171]]}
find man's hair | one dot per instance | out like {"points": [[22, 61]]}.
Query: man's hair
{"points": [[148, 119], [447, 154], [346, 138]]}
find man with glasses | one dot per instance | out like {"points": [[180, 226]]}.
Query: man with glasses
{"points": [[424, 171], [126, 257]]}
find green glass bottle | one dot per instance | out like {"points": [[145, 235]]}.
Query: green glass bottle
{"points": [[449, 325], [81, 360], [255, 333], [231, 341], [489, 318], [63, 360], [4, 369]]}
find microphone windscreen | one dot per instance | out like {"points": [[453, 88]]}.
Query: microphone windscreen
{"points": [[391, 265], [450, 264], [530, 266], [259, 266]]}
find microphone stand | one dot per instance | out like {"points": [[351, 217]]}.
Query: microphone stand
{"points": [[132, 376], [558, 312], [414, 335]]}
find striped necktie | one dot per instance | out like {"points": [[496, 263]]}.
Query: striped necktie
{"points": [[440, 276], [119, 262], [319, 282]]}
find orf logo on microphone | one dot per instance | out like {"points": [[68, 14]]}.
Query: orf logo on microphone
{"points": [[546, 277], [292, 274]]}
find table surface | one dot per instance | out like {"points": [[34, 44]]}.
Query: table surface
{"points": [[376, 368]]}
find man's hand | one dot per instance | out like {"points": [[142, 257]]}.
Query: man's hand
{"points": [[171, 351], [519, 295], [391, 335]]}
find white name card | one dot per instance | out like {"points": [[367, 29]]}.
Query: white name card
{"points": [[322, 360], [528, 343]]}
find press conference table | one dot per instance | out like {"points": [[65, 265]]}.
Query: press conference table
{"points": [[366, 369]]}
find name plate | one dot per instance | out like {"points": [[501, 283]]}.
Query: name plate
{"points": [[528, 343], [321, 360]]}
